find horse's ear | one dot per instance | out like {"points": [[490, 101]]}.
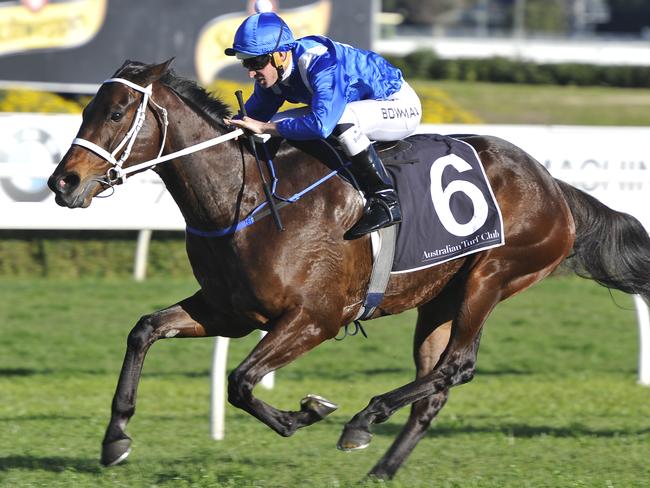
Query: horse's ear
{"points": [[124, 65], [156, 71]]}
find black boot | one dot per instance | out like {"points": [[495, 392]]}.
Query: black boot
{"points": [[382, 205]]}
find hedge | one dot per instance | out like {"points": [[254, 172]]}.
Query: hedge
{"points": [[425, 64], [85, 254]]}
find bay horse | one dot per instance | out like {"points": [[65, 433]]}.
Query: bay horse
{"points": [[304, 284]]}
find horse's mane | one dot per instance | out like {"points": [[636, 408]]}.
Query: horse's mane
{"points": [[188, 89], [208, 103]]}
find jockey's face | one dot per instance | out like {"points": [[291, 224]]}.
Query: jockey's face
{"points": [[266, 75]]}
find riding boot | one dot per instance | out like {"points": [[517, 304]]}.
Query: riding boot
{"points": [[382, 205]]}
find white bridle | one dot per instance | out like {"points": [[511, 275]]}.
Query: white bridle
{"points": [[116, 172]]}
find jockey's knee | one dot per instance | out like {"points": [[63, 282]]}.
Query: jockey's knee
{"points": [[341, 128], [351, 138]]}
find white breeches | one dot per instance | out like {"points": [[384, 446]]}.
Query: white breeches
{"points": [[374, 120]]}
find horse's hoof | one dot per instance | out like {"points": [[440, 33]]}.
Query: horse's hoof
{"points": [[354, 439], [115, 452], [318, 405]]}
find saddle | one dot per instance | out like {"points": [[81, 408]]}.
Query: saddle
{"points": [[329, 152]]}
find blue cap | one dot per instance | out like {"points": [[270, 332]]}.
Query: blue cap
{"points": [[262, 33]]}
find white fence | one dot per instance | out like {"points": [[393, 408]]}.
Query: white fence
{"points": [[610, 52], [611, 163]]}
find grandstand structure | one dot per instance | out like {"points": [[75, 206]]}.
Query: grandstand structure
{"points": [[583, 32]]}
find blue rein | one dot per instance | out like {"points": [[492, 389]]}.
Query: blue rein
{"points": [[261, 210]]}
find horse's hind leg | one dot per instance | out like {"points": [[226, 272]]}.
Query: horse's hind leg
{"points": [[456, 365], [494, 277], [423, 412], [431, 339], [188, 318]]}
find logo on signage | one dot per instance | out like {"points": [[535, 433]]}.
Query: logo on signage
{"points": [[30, 147], [217, 35], [41, 24]]}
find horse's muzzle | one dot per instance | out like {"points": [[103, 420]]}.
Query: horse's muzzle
{"points": [[67, 190]]}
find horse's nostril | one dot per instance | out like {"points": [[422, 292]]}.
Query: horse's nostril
{"points": [[67, 183]]}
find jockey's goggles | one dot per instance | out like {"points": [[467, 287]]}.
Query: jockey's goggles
{"points": [[257, 62]]}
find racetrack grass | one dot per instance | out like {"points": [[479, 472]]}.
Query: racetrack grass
{"points": [[503, 103], [554, 403], [464, 102]]}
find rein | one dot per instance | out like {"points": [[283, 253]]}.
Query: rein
{"points": [[262, 210], [116, 174]]}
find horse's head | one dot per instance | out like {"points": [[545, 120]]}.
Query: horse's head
{"points": [[119, 128]]}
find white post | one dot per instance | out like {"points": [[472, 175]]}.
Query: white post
{"points": [[268, 380], [643, 316], [141, 252], [218, 388]]}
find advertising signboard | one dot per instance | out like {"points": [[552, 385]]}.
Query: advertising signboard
{"points": [[32, 144], [82, 42]]}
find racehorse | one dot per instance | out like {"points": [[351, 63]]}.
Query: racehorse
{"points": [[302, 285]]}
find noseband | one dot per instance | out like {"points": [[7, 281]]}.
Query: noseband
{"points": [[116, 173]]}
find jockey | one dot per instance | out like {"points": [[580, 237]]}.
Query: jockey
{"points": [[352, 94]]}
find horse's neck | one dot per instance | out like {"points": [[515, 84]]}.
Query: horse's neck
{"points": [[208, 186]]}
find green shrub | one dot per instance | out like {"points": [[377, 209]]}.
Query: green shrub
{"points": [[86, 254], [425, 64], [421, 63]]}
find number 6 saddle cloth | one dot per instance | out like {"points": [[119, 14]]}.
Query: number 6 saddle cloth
{"points": [[448, 208]]}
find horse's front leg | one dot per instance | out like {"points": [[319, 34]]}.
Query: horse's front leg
{"points": [[188, 318], [290, 336]]}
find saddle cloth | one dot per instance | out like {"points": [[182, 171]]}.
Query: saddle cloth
{"points": [[448, 208]]}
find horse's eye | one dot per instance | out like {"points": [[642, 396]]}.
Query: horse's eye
{"points": [[115, 116]]}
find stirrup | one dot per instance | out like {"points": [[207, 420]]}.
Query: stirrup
{"points": [[377, 214]]}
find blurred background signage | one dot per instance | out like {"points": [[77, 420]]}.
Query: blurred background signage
{"points": [[72, 45]]}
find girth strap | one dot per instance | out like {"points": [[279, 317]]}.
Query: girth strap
{"points": [[381, 268]]}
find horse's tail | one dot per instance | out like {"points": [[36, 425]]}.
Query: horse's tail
{"points": [[611, 247]]}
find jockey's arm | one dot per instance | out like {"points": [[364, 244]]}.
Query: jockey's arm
{"points": [[255, 126], [327, 104], [328, 86], [261, 106]]}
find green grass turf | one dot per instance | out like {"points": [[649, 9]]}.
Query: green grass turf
{"points": [[502, 103], [554, 403]]}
